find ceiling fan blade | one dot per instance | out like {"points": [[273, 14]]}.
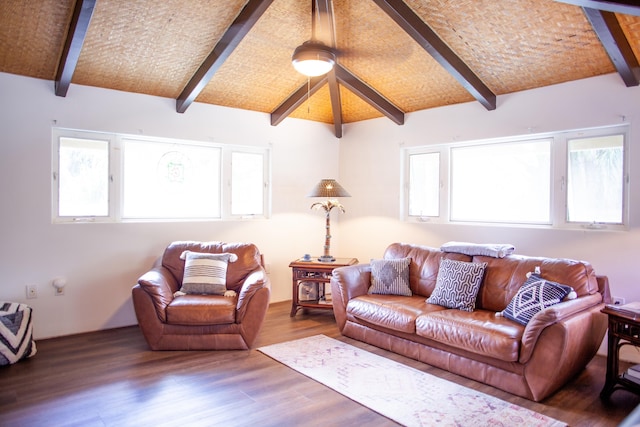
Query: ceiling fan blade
{"points": [[324, 22]]}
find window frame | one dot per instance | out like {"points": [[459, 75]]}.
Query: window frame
{"points": [[558, 187], [116, 179]]}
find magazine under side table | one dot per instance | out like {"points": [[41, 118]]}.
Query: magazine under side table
{"points": [[317, 274], [624, 329]]}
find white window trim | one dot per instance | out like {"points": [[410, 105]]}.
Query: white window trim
{"points": [[559, 172], [116, 182]]}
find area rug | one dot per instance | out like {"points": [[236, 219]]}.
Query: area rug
{"points": [[404, 394]]}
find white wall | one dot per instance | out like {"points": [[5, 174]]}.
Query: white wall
{"points": [[101, 262], [370, 170]]}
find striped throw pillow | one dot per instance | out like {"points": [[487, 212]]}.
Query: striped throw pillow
{"points": [[205, 273], [390, 277]]}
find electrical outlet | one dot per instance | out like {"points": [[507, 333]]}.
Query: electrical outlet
{"points": [[618, 301], [32, 291]]}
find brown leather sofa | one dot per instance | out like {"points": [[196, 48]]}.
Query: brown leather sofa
{"points": [[531, 361], [202, 322]]}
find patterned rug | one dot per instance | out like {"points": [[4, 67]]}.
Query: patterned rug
{"points": [[404, 394]]}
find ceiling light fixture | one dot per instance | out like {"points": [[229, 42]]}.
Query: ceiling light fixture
{"points": [[313, 58]]}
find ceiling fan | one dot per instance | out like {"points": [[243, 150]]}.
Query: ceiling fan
{"points": [[317, 56], [321, 51]]}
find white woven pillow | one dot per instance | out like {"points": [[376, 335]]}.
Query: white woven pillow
{"points": [[205, 273]]}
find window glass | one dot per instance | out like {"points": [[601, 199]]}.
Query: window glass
{"points": [[247, 183], [170, 180], [595, 179], [424, 184], [502, 182], [83, 177]]}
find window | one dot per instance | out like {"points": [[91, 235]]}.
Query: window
{"points": [[595, 179], [247, 183], [505, 182], [109, 177], [83, 177], [424, 184], [169, 180], [563, 180]]}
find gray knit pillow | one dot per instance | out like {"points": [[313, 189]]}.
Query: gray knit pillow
{"points": [[390, 276]]}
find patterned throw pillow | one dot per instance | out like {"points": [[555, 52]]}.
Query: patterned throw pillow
{"points": [[535, 295], [205, 273], [390, 277], [458, 284]]}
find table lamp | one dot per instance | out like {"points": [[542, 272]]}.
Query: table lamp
{"points": [[330, 189]]}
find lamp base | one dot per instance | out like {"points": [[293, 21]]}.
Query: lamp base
{"points": [[326, 258]]}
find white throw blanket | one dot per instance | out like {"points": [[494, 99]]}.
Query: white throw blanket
{"points": [[495, 250]]}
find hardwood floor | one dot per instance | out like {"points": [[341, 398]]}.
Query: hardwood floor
{"points": [[110, 378]]}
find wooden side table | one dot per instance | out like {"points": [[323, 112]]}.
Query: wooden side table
{"points": [[313, 276], [624, 329]]}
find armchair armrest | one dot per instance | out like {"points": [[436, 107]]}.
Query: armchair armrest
{"points": [[551, 315], [254, 281], [346, 284], [159, 284]]}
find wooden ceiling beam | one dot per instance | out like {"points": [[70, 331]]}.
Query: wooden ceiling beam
{"points": [[243, 23], [290, 104], [626, 7], [613, 39], [368, 94], [336, 102], [80, 20], [413, 25]]}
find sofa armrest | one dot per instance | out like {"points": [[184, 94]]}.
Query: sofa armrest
{"points": [[159, 284], [254, 281], [603, 288], [550, 316], [346, 284]]}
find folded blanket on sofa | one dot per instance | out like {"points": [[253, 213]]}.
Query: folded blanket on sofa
{"points": [[486, 249]]}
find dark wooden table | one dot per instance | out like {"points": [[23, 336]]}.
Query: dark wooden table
{"points": [[624, 329], [318, 275]]}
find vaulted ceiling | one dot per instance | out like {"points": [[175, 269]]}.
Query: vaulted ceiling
{"points": [[394, 56]]}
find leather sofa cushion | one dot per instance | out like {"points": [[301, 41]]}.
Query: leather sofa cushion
{"points": [[479, 332], [248, 259], [202, 310], [395, 312], [504, 277]]}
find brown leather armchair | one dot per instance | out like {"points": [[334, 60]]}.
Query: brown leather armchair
{"points": [[202, 322]]}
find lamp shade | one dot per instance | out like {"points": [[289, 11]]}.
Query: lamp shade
{"points": [[313, 59], [328, 188]]}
